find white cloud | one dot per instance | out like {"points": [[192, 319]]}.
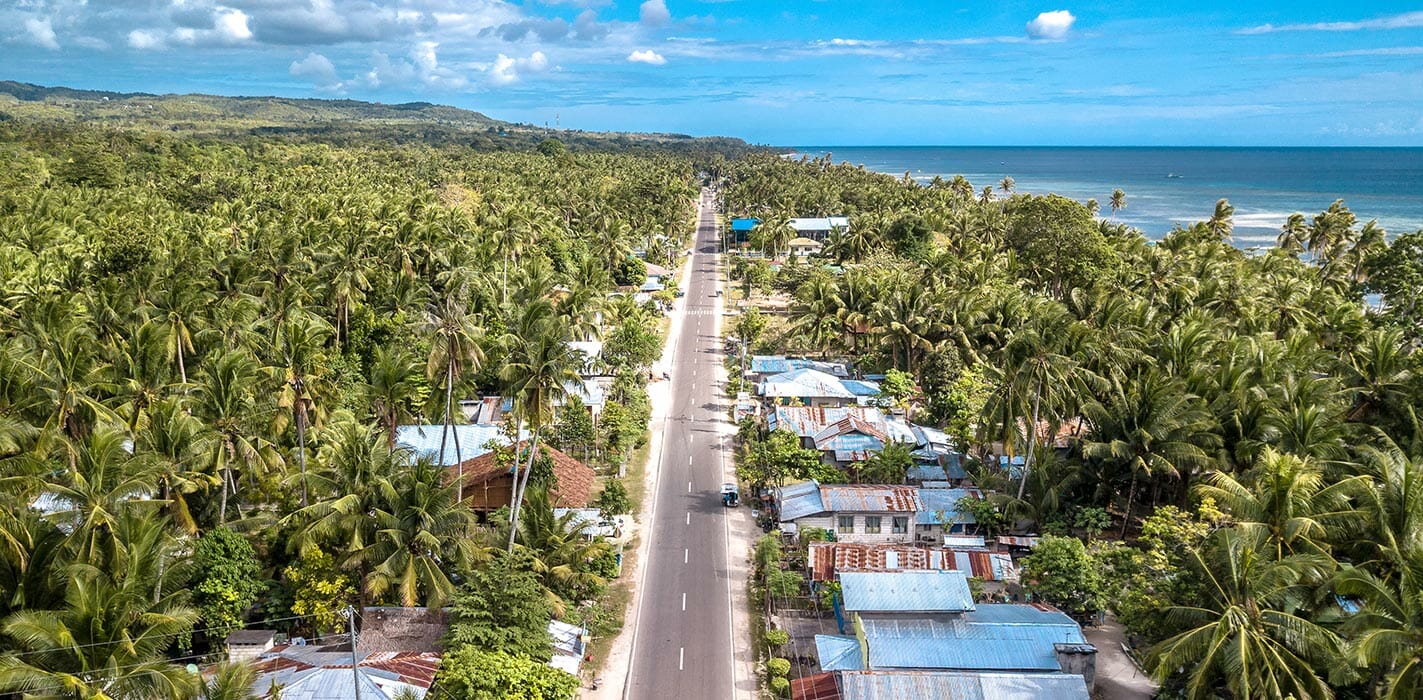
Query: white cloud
{"points": [[421, 67], [42, 33], [145, 39], [653, 13], [231, 26], [506, 70], [316, 68], [648, 56], [1051, 25], [1407, 20]]}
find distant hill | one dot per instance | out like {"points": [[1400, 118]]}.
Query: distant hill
{"points": [[314, 119]]}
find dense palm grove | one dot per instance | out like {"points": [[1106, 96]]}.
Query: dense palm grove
{"points": [[206, 347], [1243, 423]]}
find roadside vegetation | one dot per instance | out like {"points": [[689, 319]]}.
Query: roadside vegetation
{"points": [[206, 347], [1222, 448]]}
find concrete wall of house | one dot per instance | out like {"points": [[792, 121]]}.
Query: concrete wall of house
{"points": [[1078, 658], [861, 535]]}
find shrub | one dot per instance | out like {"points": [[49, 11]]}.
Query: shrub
{"points": [[780, 686], [778, 667], [777, 638]]}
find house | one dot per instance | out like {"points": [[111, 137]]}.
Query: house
{"points": [[591, 354], [394, 629], [810, 387], [801, 247], [827, 560], [245, 645], [461, 441], [741, 230], [570, 643], [849, 434], [927, 620], [820, 227], [325, 673], [952, 685], [763, 366], [489, 480], [874, 514]]}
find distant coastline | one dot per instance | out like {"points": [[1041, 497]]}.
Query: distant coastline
{"points": [[1178, 185]]}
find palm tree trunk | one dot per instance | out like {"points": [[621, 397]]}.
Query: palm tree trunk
{"points": [[301, 444], [448, 428], [519, 490], [1131, 496], [1032, 432], [182, 365]]}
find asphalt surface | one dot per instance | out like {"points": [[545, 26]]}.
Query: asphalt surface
{"points": [[682, 645]]}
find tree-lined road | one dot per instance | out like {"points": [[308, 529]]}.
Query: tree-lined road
{"points": [[683, 639]]}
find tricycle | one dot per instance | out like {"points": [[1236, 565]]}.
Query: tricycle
{"points": [[730, 497]]}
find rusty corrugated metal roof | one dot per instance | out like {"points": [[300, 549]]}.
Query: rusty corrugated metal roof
{"points": [[840, 498], [829, 559]]}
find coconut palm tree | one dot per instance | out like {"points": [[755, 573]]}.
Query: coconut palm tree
{"points": [[1150, 426], [394, 389], [560, 552], [540, 365], [301, 343], [108, 638], [1007, 184], [454, 350], [176, 441], [1289, 497], [1117, 202], [226, 400], [1244, 632], [422, 533]]}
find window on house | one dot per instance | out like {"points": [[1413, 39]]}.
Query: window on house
{"points": [[901, 525], [872, 525], [847, 524]]}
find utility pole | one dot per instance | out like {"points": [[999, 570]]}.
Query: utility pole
{"points": [[350, 614]]}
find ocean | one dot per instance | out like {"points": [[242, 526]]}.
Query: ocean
{"points": [[1167, 186]]}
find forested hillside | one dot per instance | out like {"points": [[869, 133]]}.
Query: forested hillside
{"points": [[325, 121], [1226, 449], [206, 345]]}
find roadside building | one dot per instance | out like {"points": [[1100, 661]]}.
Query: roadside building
{"points": [[801, 247], [489, 480], [463, 441], [325, 673], [763, 366], [928, 621], [810, 387], [950, 685], [818, 228], [873, 514], [741, 230], [827, 560]]}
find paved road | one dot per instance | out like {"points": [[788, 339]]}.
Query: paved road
{"points": [[682, 646]]}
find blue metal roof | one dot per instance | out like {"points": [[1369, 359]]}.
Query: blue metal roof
{"points": [[744, 224], [926, 472], [769, 364], [860, 388], [799, 500], [960, 685], [990, 637], [424, 441], [805, 383], [930, 591], [945, 501], [838, 653], [651, 284]]}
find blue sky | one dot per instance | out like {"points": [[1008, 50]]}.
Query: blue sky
{"points": [[800, 72]]}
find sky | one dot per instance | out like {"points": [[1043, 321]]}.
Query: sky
{"points": [[798, 72]]}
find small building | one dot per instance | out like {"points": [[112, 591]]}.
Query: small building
{"points": [[801, 247], [873, 514], [810, 387], [928, 621], [245, 645], [489, 480], [818, 228], [461, 442], [826, 561], [741, 230], [396, 629], [570, 643], [950, 685], [763, 366], [325, 673]]}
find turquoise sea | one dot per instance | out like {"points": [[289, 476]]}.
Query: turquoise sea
{"points": [[1166, 186]]}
